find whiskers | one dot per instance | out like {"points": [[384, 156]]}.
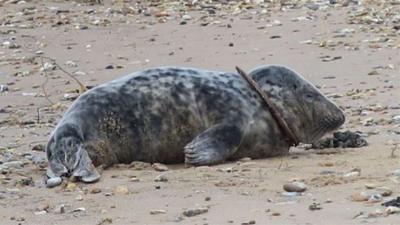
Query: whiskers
{"points": [[325, 125]]}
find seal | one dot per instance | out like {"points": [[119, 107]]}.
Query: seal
{"points": [[175, 115]]}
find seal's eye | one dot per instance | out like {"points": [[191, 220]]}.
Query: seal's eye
{"points": [[309, 97]]}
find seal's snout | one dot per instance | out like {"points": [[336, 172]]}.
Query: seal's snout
{"points": [[337, 117]]}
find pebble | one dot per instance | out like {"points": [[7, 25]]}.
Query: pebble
{"points": [[122, 190], [295, 187], [39, 147], [384, 191], [315, 206], [70, 186], [60, 209], [79, 73], [352, 174], [186, 17], [157, 211], [53, 182], [291, 194], [80, 209], [95, 190], [161, 178], [375, 198], [38, 213], [71, 64], [396, 173], [134, 179], [396, 119], [79, 198], [195, 211], [371, 185], [160, 167], [392, 210], [360, 196], [3, 88], [13, 164], [248, 223]]}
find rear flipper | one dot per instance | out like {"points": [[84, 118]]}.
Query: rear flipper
{"points": [[214, 145]]}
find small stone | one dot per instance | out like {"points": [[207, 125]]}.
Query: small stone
{"points": [[186, 17], [70, 186], [39, 147], [53, 182], [161, 178], [195, 211], [312, 6], [371, 185], [80, 209], [157, 211], [134, 179], [373, 72], [122, 190], [275, 214], [47, 67], [105, 221], [384, 191], [396, 119], [352, 174], [79, 73], [60, 209], [396, 173], [3, 88], [38, 213], [295, 187], [275, 37], [248, 223], [291, 194], [13, 164], [95, 190], [160, 167], [375, 198], [71, 64], [315, 206], [230, 44], [392, 210], [79, 198], [207, 199], [109, 67], [360, 196]]}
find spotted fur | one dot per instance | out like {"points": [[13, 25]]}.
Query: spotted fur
{"points": [[175, 115]]}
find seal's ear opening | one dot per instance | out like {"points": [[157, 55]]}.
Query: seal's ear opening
{"points": [[85, 170]]}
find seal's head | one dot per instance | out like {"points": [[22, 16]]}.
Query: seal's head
{"points": [[307, 111], [67, 156]]}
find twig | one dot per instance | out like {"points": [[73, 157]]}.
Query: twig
{"points": [[81, 85], [43, 86], [38, 114]]}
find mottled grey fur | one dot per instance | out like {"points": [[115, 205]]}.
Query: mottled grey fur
{"points": [[175, 115]]}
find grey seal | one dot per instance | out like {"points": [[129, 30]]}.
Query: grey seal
{"points": [[176, 115]]}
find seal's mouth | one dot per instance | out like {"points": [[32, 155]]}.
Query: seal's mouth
{"points": [[325, 125]]}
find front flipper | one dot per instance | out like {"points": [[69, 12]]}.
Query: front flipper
{"points": [[214, 145], [85, 170]]}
